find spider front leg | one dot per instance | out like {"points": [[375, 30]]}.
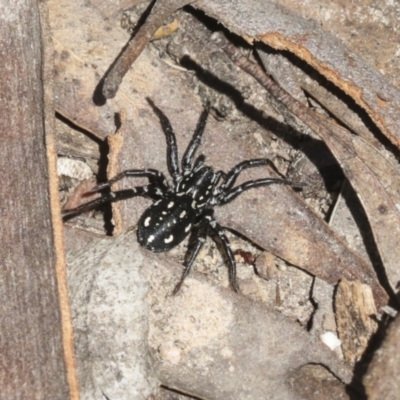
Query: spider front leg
{"points": [[172, 148], [233, 174], [231, 194], [187, 159], [225, 193]]}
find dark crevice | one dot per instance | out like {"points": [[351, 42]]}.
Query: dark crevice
{"points": [[364, 227], [78, 129]]}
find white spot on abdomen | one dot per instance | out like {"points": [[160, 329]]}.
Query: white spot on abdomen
{"points": [[151, 238], [171, 204], [147, 221], [169, 239], [187, 229], [183, 213]]}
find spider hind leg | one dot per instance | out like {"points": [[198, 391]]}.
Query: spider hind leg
{"points": [[199, 237], [209, 225], [218, 231]]}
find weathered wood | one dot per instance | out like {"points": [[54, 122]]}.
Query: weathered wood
{"points": [[32, 363]]}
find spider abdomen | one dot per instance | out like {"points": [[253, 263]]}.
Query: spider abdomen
{"points": [[166, 223]]}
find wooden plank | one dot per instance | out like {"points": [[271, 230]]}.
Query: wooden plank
{"points": [[31, 344]]}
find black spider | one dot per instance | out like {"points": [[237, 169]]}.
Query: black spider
{"points": [[187, 205]]}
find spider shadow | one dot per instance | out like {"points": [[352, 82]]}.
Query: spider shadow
{"points": [[286, 133]]}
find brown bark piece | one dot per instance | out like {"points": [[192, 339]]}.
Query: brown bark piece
{"points": [[57, 223], [297, 82], [33, 361], [116, 144], [355, 310], [373, 37], [265, 265], [282, 29]]}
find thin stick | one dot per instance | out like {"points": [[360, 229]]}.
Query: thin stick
{"points": [[162, 9]]}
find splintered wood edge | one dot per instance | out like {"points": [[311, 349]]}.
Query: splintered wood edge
{"points": [[354, 311], [55, 207], [279, 42], [116, 143]]}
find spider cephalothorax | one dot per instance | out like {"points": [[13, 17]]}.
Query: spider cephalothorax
{"points": [[187, 205]]}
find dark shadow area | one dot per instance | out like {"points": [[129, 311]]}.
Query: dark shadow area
{"points": [[294, 138], [314, 380], [175, 394], [78, 129], [102, 177], [98, 97], [103, 147], [315, 305], [102, 164], [225, 88], [117, 121], [319, 155], [361, 219]]}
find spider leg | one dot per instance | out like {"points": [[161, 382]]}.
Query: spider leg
{"points": [[232, 175], [231, 194], [194, 143], [217, 176], [201, 234], [154, 176], [172, 148], [219, 232], [145, 191]]}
